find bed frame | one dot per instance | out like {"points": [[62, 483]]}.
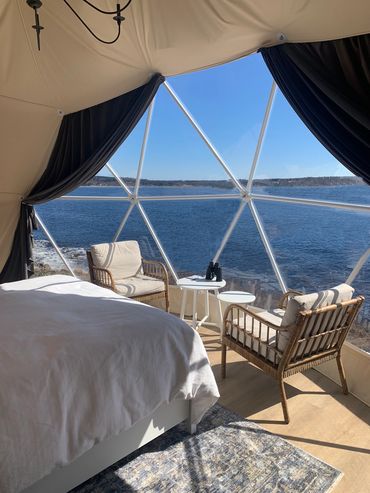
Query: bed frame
{"points": [[112, 449]]}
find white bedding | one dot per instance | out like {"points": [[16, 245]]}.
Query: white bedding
{"points": [[79, 363]]}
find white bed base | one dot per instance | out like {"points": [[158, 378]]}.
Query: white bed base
{"points": [[106, 453]]}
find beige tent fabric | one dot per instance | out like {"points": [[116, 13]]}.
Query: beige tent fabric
{"points": [[27, 135], [74, 71], [9, 213]]}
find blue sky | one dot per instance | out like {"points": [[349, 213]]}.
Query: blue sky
{"points": [[229, 103]]}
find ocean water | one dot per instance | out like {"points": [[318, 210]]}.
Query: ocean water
{"points": [[315, 247]]}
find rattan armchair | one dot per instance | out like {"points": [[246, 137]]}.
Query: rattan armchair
{"points": [[147, 280], [280, 350]]}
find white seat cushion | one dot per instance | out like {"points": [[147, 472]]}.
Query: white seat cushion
{"points": [[282, 318], [122, 258], [139, 285], [274, 317]]}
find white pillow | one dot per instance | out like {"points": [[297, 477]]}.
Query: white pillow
{"points": [[296, 304], [122, 258]]}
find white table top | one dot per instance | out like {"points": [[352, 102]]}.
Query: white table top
{"points": [[200, 283], [236, 297]]}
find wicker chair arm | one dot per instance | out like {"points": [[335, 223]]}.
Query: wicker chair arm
{"points": [[285, 298], [263, 347], [103, 277], [153, 268], [253, 315]]}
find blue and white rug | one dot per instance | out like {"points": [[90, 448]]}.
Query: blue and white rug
{"points": [[227, 454]]}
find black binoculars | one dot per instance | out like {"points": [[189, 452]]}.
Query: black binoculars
{"points": [[214, 272]]}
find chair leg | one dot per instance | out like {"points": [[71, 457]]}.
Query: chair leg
{"points": [[342, 375], [284, 400], [223, 361], [167, 302]]}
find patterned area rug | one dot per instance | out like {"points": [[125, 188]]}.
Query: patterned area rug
{"points": [[227, 454]]}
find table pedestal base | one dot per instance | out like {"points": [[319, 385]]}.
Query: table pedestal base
{"points": [[195, 322]]}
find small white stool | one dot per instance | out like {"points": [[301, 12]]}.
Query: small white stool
{"points": [[238, 297]]}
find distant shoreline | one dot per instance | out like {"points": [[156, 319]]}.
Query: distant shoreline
{"points": [[107, 181]]}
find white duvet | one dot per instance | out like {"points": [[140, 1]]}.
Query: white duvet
{"points": [[79, 363]]}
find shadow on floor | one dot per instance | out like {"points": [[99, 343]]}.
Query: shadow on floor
{"points": [[243, 375], [250, 391]]}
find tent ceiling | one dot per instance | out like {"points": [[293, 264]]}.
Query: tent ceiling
{"points": [[74, 71]]}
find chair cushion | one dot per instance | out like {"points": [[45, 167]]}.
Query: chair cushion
{"points": [[269, 316], [122, 258], [139, 285], [282, 318], [312, 301]]}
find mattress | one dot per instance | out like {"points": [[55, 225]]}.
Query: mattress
{"points": [[79, 363]]}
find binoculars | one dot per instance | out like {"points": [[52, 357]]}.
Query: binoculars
{"points": [[214, 272]]}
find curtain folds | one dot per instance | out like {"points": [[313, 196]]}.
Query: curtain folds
{"points": [[328, 85], [86, 141]]}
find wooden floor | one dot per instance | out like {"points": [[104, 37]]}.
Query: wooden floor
{"points": [[324, 422]]}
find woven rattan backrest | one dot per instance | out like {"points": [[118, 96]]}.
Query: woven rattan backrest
{"points": [[321, 331]]}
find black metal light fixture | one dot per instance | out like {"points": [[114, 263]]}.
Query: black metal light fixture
{"points": [[36, 4], [117, 17]]}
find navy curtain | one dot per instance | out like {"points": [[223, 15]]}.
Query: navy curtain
{"points": [[85, 142], [328, 85]]}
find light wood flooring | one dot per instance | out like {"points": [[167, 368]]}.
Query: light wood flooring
{"points": [[323, 421]]}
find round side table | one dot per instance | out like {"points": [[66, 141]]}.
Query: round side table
{"points": [[197, 284], [238, 297]]}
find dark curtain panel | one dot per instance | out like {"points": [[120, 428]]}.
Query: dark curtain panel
{"points": [[328, 85], [85, 142]]}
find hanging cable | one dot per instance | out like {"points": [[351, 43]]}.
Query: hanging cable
{"points": [[106, 11], [118, 18]]}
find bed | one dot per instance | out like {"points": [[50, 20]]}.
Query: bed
{"points": [[86, 377]]}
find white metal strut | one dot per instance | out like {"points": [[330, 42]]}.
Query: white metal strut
{"points": [[245, 194]]}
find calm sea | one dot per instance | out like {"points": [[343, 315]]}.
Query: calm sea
{"points": [[315, 247]]}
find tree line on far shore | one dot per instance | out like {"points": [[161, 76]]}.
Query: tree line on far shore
{"points": [[104, 181]]}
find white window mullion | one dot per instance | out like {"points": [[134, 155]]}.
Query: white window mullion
{"points": [[119, 179], [143, 147], [204, 137], [123, 222], [267, 245], [230, 230], [261, 136], [157, 241]]}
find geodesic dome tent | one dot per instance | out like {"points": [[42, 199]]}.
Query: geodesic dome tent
{"points": [[66, 108]]}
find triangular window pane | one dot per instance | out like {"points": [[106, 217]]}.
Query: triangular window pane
{"points": [[75, 225], [294, 155], [175, 151], [125, 160], [191, 231], [229, 103], [246, 265], [136, 229]]}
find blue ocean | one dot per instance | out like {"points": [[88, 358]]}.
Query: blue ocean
{"points": [[315, 247]]}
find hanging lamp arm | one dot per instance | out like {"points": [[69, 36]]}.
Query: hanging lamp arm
{"points": [[118, 18], [121, 9], [90, 30]]}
